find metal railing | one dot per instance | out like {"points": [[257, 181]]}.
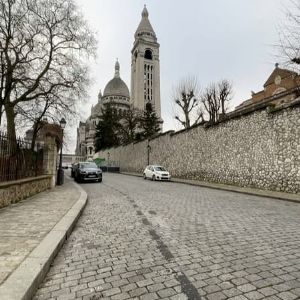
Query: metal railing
{"points": [[18, 160], [110, 169]]}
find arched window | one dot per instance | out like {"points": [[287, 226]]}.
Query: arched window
{"points": [[148, 54]]}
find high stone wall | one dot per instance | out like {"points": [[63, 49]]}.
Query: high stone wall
{"points": [[260, 149]]}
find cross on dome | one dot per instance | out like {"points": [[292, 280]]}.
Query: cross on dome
{"points": [[117, 69]]}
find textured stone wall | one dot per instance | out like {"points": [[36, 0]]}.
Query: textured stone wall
{"points": [[13, 192], [261, 150]]}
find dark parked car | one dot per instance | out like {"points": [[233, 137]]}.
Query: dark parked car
{"points": [[87, 171]]}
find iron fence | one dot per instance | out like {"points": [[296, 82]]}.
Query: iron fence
{"points": [[18, 160]]}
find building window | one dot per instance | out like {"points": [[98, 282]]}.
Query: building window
{"points": [[148, 54], [148, 83]]}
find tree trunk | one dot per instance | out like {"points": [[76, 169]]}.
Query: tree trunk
{"points": [[1, 112], [11, 126], [187, 120], [36, 128], [223, 107]]}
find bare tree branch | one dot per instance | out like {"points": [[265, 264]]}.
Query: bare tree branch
{"points": [[289, 36], [215, 99], [186, 98], [44, 46]]}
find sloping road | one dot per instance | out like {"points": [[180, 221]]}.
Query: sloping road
{"points": [[157, 240]]}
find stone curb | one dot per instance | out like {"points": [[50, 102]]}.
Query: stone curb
{"points": [[24, 281], [249, 191]]}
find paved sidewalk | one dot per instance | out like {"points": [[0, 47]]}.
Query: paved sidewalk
{"points": [[31, 233], [232, 188]]}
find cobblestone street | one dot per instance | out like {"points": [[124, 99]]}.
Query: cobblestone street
{"points": [[140, 239]]}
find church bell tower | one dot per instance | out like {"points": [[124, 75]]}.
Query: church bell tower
{"points": [[145, 72]]}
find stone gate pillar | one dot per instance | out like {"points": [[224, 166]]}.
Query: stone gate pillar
{"points": [[52, 138], [50, 158]]}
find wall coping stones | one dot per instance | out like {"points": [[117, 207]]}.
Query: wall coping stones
{"points": [[12, 192], [262, 105], [6, 184]]}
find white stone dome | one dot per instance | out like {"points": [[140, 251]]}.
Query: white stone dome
{"points": [[116, 86]]}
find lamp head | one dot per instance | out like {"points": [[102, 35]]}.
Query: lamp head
{"points": [[62, 123]]}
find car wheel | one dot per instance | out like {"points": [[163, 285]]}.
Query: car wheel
{"points": [[153, 178], [145, 176], [100, 180]]}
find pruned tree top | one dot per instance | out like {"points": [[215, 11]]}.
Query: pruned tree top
{"points": [[186, 97], [215, 99]]}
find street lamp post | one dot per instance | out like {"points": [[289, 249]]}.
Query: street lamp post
{"points": [[60, 171], [148, 153]]}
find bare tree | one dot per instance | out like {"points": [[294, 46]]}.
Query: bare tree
{"points": [[289, 35], [187, 101], [44, 45], [49, 107], [215, 99]]}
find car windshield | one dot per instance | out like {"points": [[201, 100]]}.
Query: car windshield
{"points": [[159, 169], [88, 165]]}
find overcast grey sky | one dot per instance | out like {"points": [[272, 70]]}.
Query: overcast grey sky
{"points": [[232, 39]]}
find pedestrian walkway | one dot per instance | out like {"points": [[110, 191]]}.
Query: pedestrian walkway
{"points": [[233, 188], [31, 232]]}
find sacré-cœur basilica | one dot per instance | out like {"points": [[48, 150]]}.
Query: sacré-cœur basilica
{"points": [[145, 86]]}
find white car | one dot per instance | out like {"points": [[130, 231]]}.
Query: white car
{"points": [[156, 173]]}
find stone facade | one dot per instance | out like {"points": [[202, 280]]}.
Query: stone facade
{"points": [[145, 86], [15, 191], [115, 93], [281, 87], [260, 149], [145, 67]]}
